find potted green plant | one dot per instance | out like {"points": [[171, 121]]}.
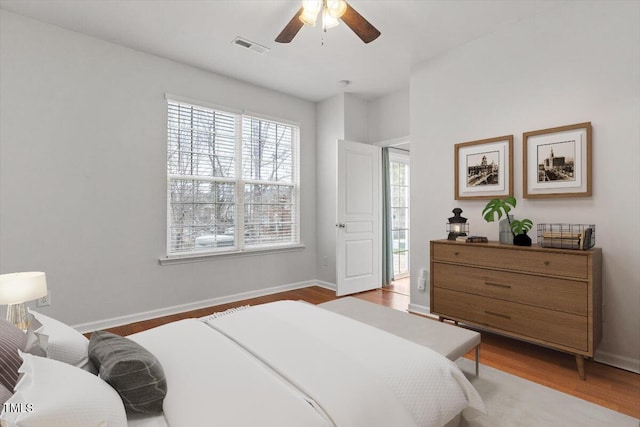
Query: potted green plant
{"points": [[518, 228]]}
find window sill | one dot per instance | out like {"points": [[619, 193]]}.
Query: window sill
{"points": [[209, 256]]}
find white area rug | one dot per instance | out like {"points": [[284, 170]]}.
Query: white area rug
{"points": [[515, 402]]}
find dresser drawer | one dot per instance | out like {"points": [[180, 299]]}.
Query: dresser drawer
{"points": [[545, 292], [532, 261], [538, 323]]}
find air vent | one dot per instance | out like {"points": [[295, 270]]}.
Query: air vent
{"points": [[239, 41]]}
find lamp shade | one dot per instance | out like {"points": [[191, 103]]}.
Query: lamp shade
{"points": [[17, 288]]}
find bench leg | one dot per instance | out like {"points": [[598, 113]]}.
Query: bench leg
{"points": [[477, 359]]}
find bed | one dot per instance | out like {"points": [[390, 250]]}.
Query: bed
{"points": [[290, 363]]}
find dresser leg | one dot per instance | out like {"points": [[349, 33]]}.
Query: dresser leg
{"points": [[580, 365]]}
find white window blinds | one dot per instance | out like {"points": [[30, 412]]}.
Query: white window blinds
{"points": [[232, 181]]}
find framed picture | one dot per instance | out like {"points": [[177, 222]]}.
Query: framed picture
{"points": [[557, 162], [484, 168]]}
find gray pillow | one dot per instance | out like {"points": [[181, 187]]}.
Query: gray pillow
{"points": [[4, 394], [131, 370], [12, 339]]}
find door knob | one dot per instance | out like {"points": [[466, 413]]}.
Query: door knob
{"points": [[341, 225]]}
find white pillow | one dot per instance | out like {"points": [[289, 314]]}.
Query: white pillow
{"points": [[55, 394], [55, 340]]}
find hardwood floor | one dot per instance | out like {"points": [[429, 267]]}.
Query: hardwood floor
{"points": [[606, 386], [400, 286]]}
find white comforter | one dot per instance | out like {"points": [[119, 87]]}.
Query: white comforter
{"points": [[294, 364], [212, 382]]}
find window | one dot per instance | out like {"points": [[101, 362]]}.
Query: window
{"points": [[400, 214], [232, 181]]}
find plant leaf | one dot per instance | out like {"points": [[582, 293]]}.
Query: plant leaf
{"points": [[510, 201], [520, 226], [493, 207], [490, 206]]}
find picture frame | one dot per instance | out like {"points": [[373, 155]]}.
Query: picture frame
{"points": [[557, 162], [484, 168]]}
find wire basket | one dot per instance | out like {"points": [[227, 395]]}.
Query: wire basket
{"points": [[567, 236]]}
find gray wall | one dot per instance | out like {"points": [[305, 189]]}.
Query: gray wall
{"points": [[83, 175], [579, 63]]}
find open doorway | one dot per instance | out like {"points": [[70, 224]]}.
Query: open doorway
{"points": [[399, 205]]}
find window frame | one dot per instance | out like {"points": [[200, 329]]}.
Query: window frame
{"points": [[240, 182], [403, 158]]}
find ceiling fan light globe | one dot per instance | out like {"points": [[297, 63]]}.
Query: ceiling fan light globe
{"points": [[336, 8], [308, 18], [310, 10], [311, 7], [328, 21]]}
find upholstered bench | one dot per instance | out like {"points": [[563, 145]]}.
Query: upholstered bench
{"points": [[449, 340]]}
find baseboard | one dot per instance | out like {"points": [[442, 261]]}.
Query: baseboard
{"points": [[326, 285], [622, 362], [419, 309], [152, 314]]}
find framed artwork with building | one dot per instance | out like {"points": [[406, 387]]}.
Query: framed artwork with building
{"points": [[484, 168], [557, 162]]}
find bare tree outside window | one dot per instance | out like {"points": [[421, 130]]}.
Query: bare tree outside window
{"points": [[268, 164], [209, 188]]}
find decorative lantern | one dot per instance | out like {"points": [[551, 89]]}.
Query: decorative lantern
{"points": [[457, 225]]}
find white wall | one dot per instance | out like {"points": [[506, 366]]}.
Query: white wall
{"points": [[331, 128], [389, 116], [346, 116], [356, 118], [83, 174], [578, 63]]}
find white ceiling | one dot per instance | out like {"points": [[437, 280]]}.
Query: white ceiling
{"points": [[200, 32]]}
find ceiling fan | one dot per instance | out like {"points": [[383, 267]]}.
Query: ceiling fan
{"points": [[331, 11]]}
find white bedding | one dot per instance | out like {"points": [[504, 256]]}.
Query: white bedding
{"points": [[146, 421], [213, 382], [294, 364]]}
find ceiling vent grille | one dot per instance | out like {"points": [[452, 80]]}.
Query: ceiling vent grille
{"points": [[239, 41]]}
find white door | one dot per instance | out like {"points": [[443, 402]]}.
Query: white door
{"points": [[358, 252]]}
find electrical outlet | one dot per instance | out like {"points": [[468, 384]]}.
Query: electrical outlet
{"points": [[422, 280], [44, 301], [325, 261]]}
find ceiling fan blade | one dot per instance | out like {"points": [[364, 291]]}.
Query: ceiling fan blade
{"points": [[359, 25], [291, 29]]}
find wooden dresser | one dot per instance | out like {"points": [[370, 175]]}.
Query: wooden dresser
{"points": [[551, 297]]}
